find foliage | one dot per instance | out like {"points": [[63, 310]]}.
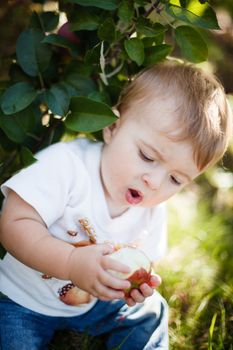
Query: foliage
{"points": [[71, 63]]}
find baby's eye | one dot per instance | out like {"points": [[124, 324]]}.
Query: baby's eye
{"points": [[174, 180], [145, 157]]}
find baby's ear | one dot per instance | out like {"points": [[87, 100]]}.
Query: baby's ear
{"points": [[109, 130]]}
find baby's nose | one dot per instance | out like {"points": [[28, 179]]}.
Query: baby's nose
{"points": [[155, 179]]}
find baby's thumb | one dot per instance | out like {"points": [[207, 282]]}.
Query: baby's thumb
{"points": [[106, 248]]}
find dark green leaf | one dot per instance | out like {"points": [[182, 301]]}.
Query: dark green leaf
{"points": [[60, 41], [82, 85], [26, 157], [18, 125], [148, 28], [103, 4], [45, 21], [152, 41], [192, 46], [32, 55], [17, 97], [84, 19], [126, 11], [79, 68], [100, 97], [88, 115], [6, 144], [70, 90], [107, 30], [183, 3], [157, 53], [50, 20], [93, 55], [58, 99], [135, 50], [208, 19]]}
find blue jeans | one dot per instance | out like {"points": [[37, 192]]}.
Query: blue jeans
{"points": [[143, 326]]}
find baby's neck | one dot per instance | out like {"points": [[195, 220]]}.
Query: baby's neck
{"points": [[115, 211]]}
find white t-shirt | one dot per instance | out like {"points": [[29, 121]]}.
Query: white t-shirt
{"points": [[64, 186]]}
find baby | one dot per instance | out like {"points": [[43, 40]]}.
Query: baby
{"points": [[174, 122]]}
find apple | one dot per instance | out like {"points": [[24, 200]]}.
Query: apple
{"points": [[139, 264]]}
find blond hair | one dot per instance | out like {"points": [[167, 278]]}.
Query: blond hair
{"points": [[204, 113]]}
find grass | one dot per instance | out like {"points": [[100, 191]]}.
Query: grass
{"points": [[197, 278]]}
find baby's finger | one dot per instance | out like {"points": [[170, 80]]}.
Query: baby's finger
{"points": [[113, 282], [130, 302], [155, 281], [105, 248], [137, 296], [146, 290], [105, 293], [112, 264]]}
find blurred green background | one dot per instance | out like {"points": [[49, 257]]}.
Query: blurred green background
{"points": [[198, 270]]}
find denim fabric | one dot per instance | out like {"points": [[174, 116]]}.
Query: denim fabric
{"points": [[143, 326]]}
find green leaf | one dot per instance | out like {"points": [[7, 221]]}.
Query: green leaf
{"points": [[183, 3], [135, 50], [82, 85], [70, 90], [84, 19], [79, 68], [58, 99], [148, 28], [126, 11], [93, 55], [45, 21], [157, 53], [100, 96], [17, 97], [50, 20], [103, 4], [58, 40], [88, 115], [17, 125], [192, 46], [26, 157], [107, 30], [211, 329], [32, 55], [208, 19]]}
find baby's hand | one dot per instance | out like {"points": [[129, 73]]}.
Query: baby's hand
{"points": [[88, 269], [145, 291]]}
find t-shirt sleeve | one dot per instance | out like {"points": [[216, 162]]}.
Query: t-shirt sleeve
{"points": [[47, 184], [155, 242]]}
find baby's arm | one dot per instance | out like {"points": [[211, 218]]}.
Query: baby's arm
{"points": [[24, 234]]}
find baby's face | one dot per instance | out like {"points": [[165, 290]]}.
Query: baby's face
{"points": [[140, 165]]}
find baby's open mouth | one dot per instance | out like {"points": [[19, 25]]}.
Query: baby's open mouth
{"points": [[133, 196]]}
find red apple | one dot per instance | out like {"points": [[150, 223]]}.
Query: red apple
{"points": [[139, 264]]}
